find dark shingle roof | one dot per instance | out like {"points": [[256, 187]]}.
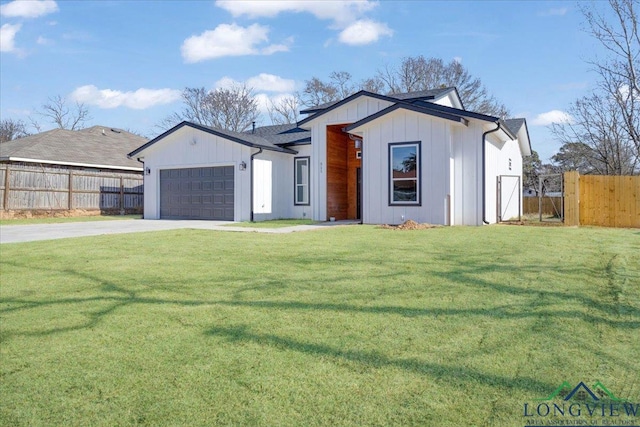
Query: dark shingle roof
{"points": [[514, 125], [289, 134], [97, 146], [257, 139], [407, 96]]}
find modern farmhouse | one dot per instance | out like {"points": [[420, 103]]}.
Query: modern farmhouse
{"points": [[381, 159]]}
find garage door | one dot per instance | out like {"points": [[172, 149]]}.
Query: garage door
{"points": [[197, 193]]}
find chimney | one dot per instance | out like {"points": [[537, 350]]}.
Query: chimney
{"points": [[254, 128]]}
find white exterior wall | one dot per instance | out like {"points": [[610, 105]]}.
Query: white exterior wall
{"points": [[347, 114], [497, 163], [191, 148], [467, 175], [281, 186], [406, 126]]}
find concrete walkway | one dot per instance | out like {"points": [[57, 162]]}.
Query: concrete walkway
{"points": [[34, 232]]}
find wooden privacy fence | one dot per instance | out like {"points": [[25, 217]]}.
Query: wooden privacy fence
{"points": [[34, 188], [609, 201], [550, 205]]}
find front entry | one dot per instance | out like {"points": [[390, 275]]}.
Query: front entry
{"points": [[343, 179]]}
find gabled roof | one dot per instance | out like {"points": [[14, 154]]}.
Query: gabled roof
{"points": [[519, 127], [250, 139], [413, 96], [458, 118], [284, 135], [98, 146]]}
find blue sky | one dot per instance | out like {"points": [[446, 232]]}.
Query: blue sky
{"points": [[128, 61]]}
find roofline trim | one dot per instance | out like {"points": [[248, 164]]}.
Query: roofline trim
{"points": [[209, 130], [347, 100], [55, 162], [411, 107]]}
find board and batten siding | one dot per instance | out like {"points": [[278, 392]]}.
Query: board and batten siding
{"points": [[400, 126], [346, 114], [498, 154], [191, 148], [275, 187]]}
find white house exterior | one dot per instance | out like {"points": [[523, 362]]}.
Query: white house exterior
{"points": [[379, 159]]}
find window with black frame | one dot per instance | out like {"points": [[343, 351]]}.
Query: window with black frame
{"points": [[404, 173]]}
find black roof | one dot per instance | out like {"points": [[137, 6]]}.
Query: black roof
{"points": [[416, 95], [258, 139]]}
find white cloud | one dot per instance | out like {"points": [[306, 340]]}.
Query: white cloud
{"points": [[340, 11], [364, 32], [7, 37], [229, 40], [346, 15], [226, 83], [139, 100], [458, 59], [271, 83], [264, 100], [263, 82], [28, 8], [550, 117]]}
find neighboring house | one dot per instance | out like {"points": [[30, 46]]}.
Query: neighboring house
{"points": [[97, 148], [376, 158], [62, 170]]}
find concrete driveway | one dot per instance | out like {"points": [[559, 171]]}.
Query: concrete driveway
{"points": [[33, 232]]}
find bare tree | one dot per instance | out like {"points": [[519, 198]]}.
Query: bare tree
{"points": [[12, 129], [419, 73], [58, 112], [233, 108], [599, 127], [317, 92], [620, 71], [411, 75], [606, 123], [284, 110]]}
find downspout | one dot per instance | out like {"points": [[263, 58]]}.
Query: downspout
{"points": [[484, 175], [251, 178], [144, 178]]}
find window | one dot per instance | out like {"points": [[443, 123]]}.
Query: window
{"points": [[301, 180], [404, 173]]}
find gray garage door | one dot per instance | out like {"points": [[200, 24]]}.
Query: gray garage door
{"points": [[197, 193]]}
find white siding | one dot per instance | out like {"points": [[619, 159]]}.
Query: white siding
{"points": [[467, 175], [406, 126], [499, 155]]}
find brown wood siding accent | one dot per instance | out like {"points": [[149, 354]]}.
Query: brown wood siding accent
{"points": [[341, 174], [353, 164]]}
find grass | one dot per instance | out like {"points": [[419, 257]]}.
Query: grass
{"points": [[274, 223], [54, 220], [343, 326]]}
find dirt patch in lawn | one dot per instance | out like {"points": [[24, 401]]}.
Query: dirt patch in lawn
{"points": [[409, 225]]}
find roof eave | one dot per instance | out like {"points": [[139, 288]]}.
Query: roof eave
{"points": [[210, 131], [63, 163]]}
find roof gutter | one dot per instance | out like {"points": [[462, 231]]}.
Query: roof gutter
{"points": [[484, 174], [251, 182]]}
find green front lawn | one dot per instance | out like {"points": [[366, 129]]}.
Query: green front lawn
{"points": [[55, 220], [274, 223], [452, 326]]}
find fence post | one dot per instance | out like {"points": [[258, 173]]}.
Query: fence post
{"points": [[572, 198], [70, 202], [5, 201], [121, 196]]}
